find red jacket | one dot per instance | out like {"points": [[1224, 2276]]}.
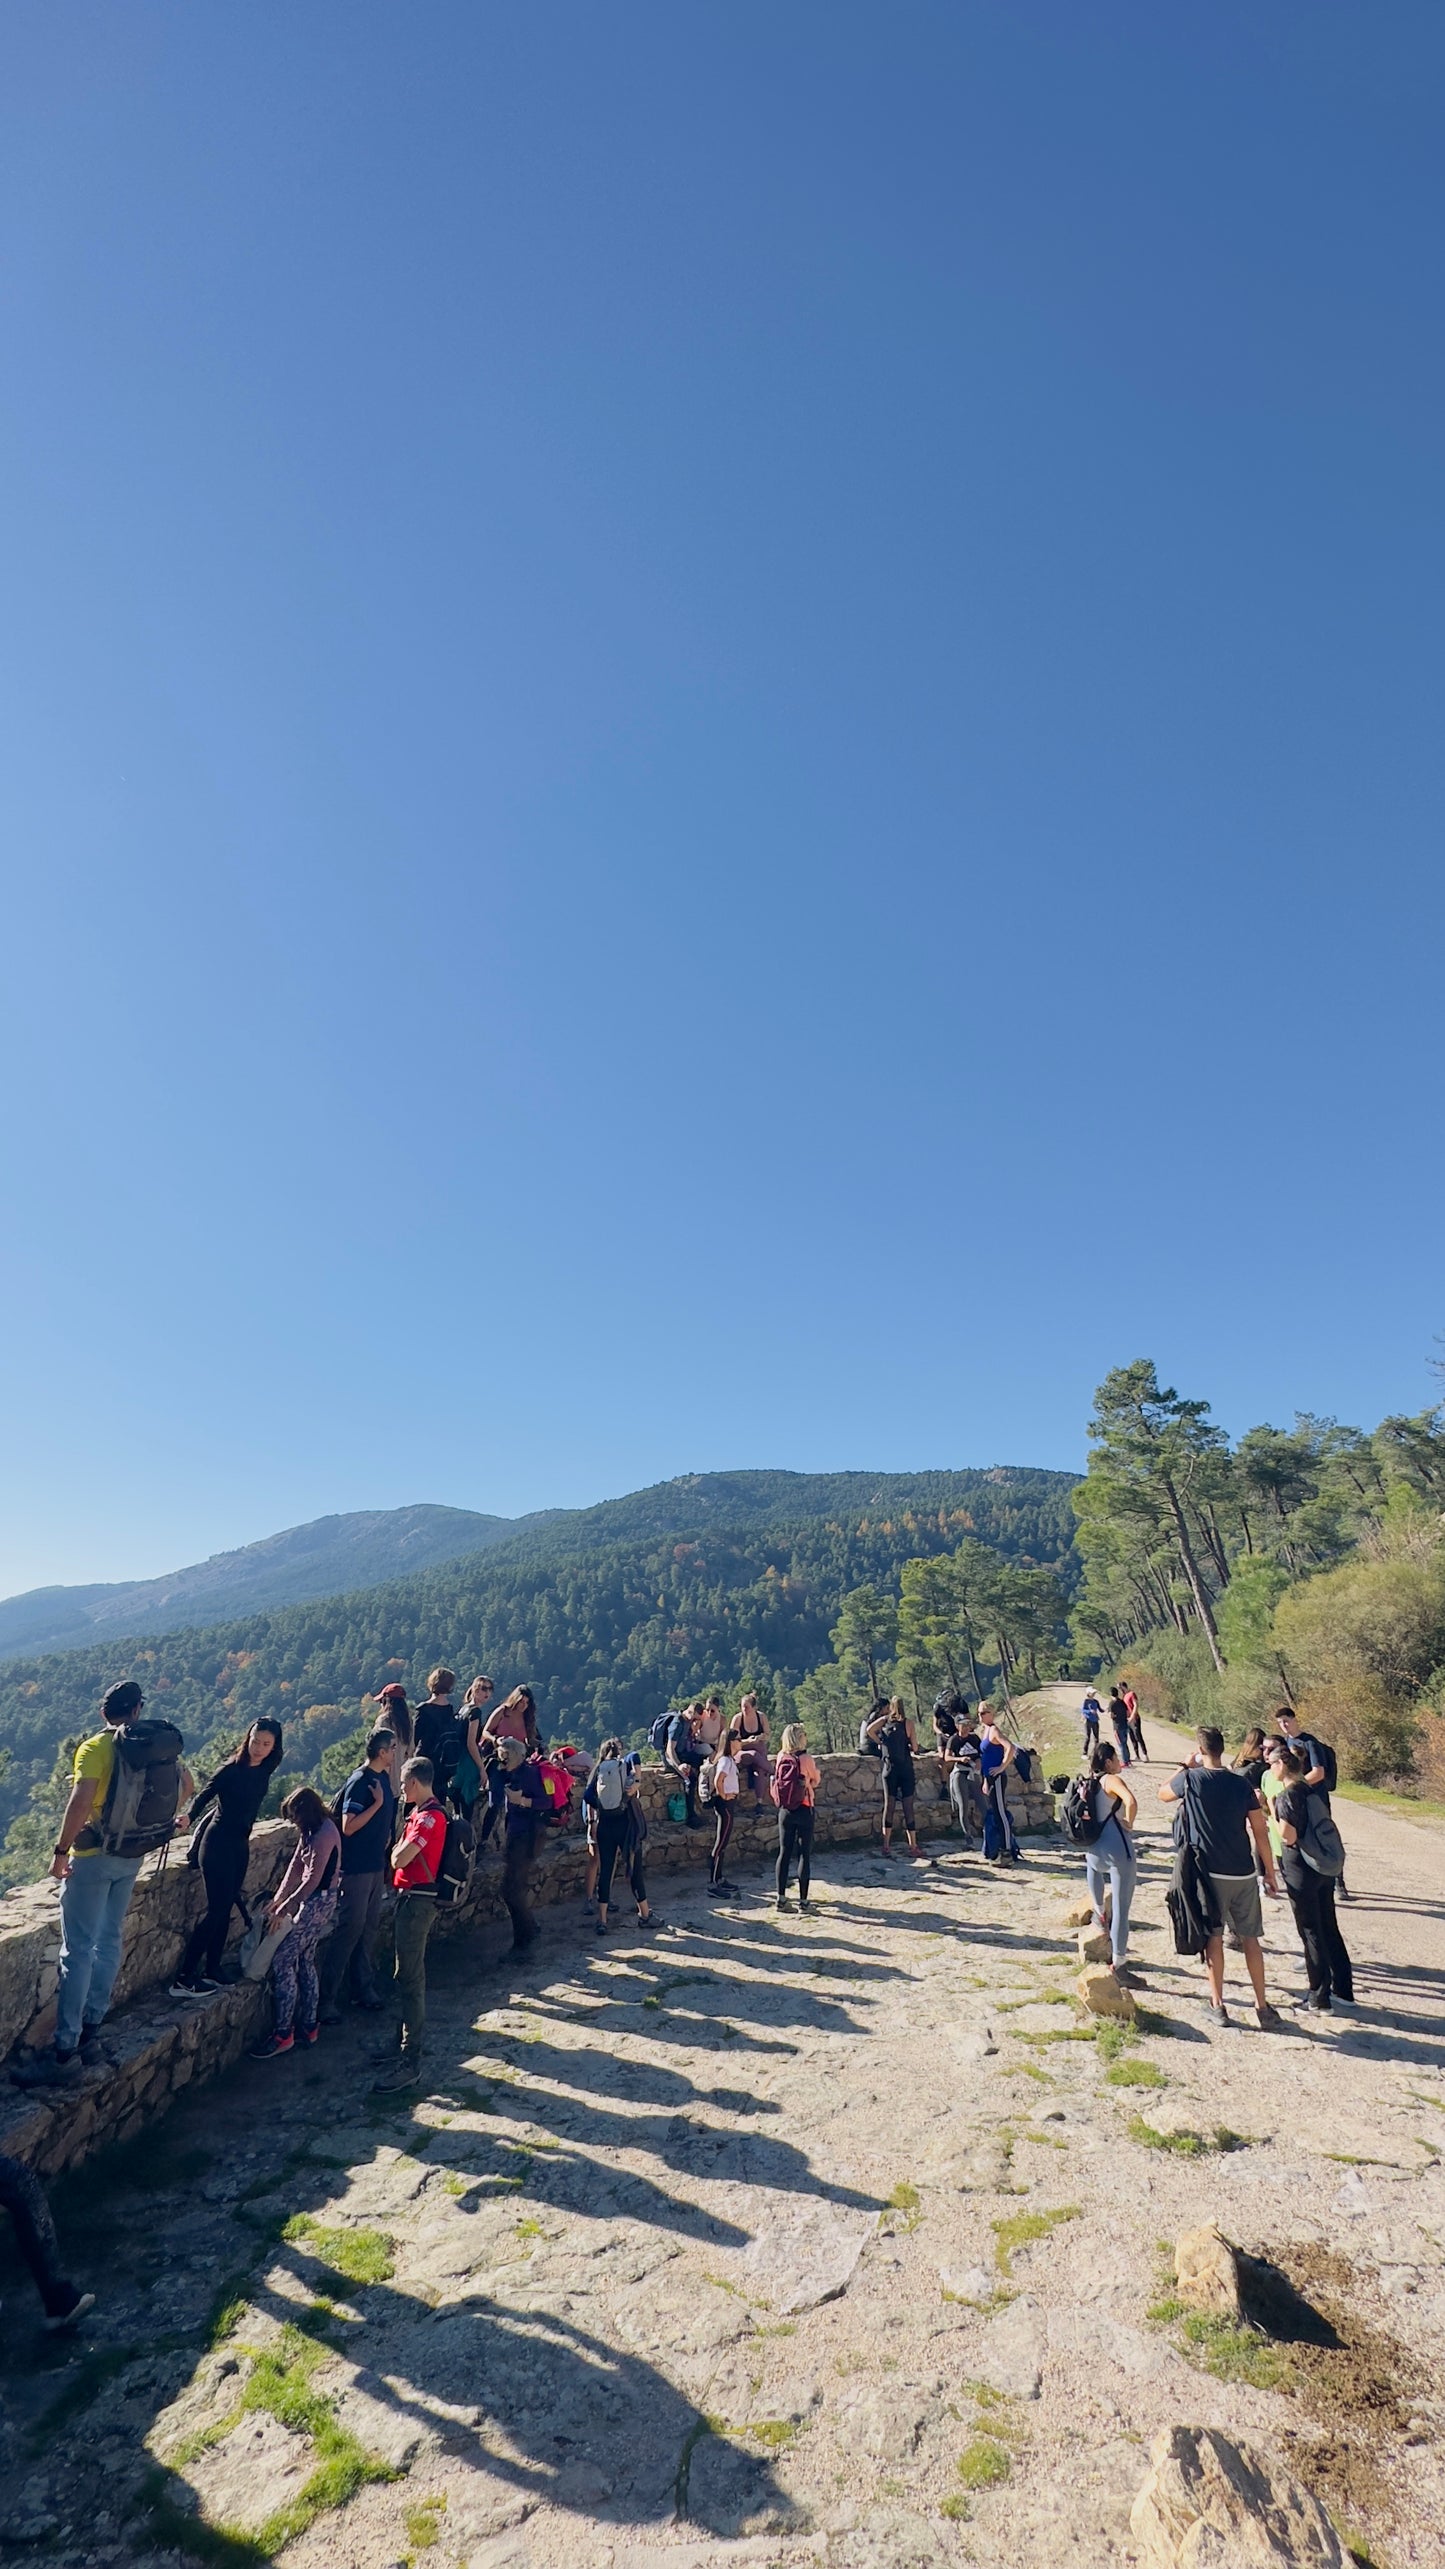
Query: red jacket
{"points": [[417, 1859]]}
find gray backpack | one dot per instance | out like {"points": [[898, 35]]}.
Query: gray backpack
{"points": [[139, 1811]]}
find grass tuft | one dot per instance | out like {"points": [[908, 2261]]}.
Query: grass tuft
{"points": [[1022, 2229], [361, 2256], [1233, 2351], [1130, 2073], [983, 2463]]}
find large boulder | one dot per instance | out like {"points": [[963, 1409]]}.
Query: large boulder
{"points": [[1094, 1946], [1206, 2271], [1210, 2504]]}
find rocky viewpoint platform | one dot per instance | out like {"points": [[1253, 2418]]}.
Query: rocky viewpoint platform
{"points": [[773, 2239]]}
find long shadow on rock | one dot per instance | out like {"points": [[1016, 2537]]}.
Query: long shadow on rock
{"points": [[540, 2409]]}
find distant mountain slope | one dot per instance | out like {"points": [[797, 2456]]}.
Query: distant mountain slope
{"points": [[326, 1558], [696, 1502], [608, 1612]]}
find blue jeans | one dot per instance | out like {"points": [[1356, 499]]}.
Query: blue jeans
{"points": [[94, 1898], [1108, 1863]]}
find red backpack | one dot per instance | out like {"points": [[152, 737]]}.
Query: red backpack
{"points": [[789, 1787]]}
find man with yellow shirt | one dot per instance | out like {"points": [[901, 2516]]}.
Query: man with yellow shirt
{"points": [[112, 1821]]}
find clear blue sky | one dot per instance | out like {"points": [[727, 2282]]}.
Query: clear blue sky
{"points": [[721, 740]]}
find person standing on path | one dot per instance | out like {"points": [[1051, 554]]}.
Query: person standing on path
{"points": [[995, 1757], [1136, 1727], [964, 1779], [526, 1810], [1321, 1766], [1110, 1864], [610, 1798], [23, 2197], [1311, 1890], [1119, 1716], [416, 1863], [725, 1789], [305, 1899], [129, 1782], [368, 1821], [221, 1851], [795, 1790], [1092, 1711], [1222, 1815], [898, 1745]]}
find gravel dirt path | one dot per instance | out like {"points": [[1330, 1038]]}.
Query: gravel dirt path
{"points": [[773, 2239]]}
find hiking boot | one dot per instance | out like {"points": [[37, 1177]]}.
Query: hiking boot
{"points": [[1313, 2003], [273, 2046], [1219, 2015], [50, 2069], [189, 1988], [403, 2073], [602, 1926], [1266, 2016], [76, 2309], [806, 1906], [306, 2034], [786, 1904]]}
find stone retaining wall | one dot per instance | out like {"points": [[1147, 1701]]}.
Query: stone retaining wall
{"points": [[161, 2044]]}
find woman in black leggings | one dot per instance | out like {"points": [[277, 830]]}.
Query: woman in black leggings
{"points": [[234, 1796], [611, 1796], [795, 1784]]}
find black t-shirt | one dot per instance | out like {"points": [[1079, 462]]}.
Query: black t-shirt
{"points": [[237, 1793], [1219, 1804], [436, 1737], [365, 1851]]}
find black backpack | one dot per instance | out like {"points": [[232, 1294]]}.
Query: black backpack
{"points": [[1324, 1756], [454, 1874], [868, 1747], [139, 1811], [657, 1734], [1189, 1898], [1080, 1826]]}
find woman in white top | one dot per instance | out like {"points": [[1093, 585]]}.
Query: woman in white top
{"points": [[1110, 1861]]}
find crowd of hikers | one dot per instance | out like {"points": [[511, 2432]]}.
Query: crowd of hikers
{"points": [[438, 1780]]}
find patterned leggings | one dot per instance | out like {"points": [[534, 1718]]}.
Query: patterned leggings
{"points": [[295, 1988]]}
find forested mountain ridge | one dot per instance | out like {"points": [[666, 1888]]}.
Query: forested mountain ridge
{"points": [[330, 1555], [607, 1631]]}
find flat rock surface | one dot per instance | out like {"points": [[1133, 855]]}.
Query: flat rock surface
{"points": [[731, 2245]]}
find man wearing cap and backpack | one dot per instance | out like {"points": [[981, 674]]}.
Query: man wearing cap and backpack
{"points": [[129, 1783]]}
